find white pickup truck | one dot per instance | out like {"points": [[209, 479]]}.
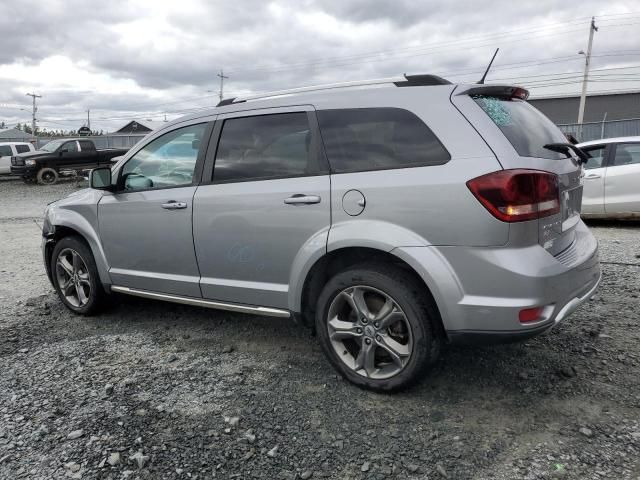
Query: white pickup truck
{"points": [[8, 150]]}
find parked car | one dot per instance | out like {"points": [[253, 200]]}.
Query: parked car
{"points": [[10, 149], [612, 178], [63, 155], [391, 216]]}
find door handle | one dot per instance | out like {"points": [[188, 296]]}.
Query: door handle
{"points": [[173, 205], [301, 199], [591, 176]]}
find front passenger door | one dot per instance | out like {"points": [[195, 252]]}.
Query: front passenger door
{"points": [[145, 225], [622, 184]]}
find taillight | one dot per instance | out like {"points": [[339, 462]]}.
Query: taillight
{"points": [[529, 315], [517, 195]]}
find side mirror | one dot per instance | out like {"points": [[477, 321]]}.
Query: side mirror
{"points": [[100, 178]]}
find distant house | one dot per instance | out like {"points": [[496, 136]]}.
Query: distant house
{"points": [[13, 134], [138, 126]]}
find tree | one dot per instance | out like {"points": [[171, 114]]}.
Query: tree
{"points": [[2, 125], [19, 127]]}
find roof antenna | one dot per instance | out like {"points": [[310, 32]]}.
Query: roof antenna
{"points": [[481, 82]]}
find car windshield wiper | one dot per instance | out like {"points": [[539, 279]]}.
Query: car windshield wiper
{"points": [[566, 148]]}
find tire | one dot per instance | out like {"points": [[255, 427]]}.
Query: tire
{"points": [[47, 176], [84, 294], [416, 332]]}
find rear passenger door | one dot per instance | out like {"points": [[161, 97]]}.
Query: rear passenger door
{"points": [[5, 159], [593, 189], [265, 198], [622, 183]]}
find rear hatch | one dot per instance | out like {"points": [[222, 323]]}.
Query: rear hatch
{"points": [[517, 133]]}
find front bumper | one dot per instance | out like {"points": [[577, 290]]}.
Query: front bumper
{"points": [[23, 171]]}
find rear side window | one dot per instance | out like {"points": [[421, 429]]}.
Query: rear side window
{"points": [[362, 139], [22, 148], [627, 154], [596, 156], [525, 126], [86, 146], [5, 151], [265, 146]]}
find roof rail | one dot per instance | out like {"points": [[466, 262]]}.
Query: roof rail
{"points": [[404, 81]]}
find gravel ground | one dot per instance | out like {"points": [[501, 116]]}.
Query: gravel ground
{"points": [[152, 390]]}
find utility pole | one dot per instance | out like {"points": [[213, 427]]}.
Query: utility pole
{"points": [[88, 119], [583, 97], [33, 113], [222, 77]]}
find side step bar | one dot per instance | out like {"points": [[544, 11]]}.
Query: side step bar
{"points": [[199, 302]]}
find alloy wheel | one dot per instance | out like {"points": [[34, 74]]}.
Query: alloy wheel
{"points": [[73, 278], [369, 332]]}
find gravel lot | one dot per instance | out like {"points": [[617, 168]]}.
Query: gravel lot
{"points": [[153, 390]]}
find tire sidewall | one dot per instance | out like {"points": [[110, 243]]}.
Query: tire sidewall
{"points": [[414, 310], [83, 250], [44, 171]]}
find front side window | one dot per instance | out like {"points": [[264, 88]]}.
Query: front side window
{"points": [[22, 148], [627, 154], [5, 151], [361, 139], [71, 147], [167, 161], [596, 156], [526, 128], [265, 146]]}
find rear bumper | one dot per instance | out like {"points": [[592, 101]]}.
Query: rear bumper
{"points": [[487, 287]]}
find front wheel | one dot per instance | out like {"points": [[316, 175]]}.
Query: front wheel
{"points": [[47, 176], [75, 276], [378, 327]]}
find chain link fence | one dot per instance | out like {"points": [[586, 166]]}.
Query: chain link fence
{"points": [[598, 130]]}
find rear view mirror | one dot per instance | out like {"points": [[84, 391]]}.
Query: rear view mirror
{"points": [[101, 178]]}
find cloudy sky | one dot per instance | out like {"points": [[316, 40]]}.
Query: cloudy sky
{"points": [[147, 59]]}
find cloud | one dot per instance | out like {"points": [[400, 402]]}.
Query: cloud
{"points": [[122, 58]]}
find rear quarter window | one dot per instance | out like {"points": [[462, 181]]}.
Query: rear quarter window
{"points": [[363, 139], [5, 151], [22, 148], [526, 128]]}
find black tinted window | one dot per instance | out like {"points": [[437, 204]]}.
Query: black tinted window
{"points": [[596, 156], [86, 146], [627, 154], [265, 146], [378, 138], [526, 128], [22, 148]]}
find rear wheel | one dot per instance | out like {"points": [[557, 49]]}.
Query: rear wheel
{"points": [[47, 176], [75, 276], [377, 326]]}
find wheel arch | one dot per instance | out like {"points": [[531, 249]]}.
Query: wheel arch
{"points": [[63, 228], [342, 258]]}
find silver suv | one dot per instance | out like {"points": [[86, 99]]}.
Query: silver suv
{"points": [[391, 216]]}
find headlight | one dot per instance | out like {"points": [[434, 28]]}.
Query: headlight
{"points": [[30, 163]]}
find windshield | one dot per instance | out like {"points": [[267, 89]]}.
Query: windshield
{"points": [[52, 146], [525, 127]]}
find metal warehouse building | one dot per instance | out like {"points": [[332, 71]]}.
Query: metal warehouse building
{"points": [[615, 114]]}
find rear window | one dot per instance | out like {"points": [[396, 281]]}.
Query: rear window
{"points": [[361, 139], [22, 148], [525, 127]]}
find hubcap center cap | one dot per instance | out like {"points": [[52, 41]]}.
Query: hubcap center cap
{"points": [[369, 331]]}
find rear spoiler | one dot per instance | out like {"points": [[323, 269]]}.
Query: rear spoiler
{"points": [[510, 91]]}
